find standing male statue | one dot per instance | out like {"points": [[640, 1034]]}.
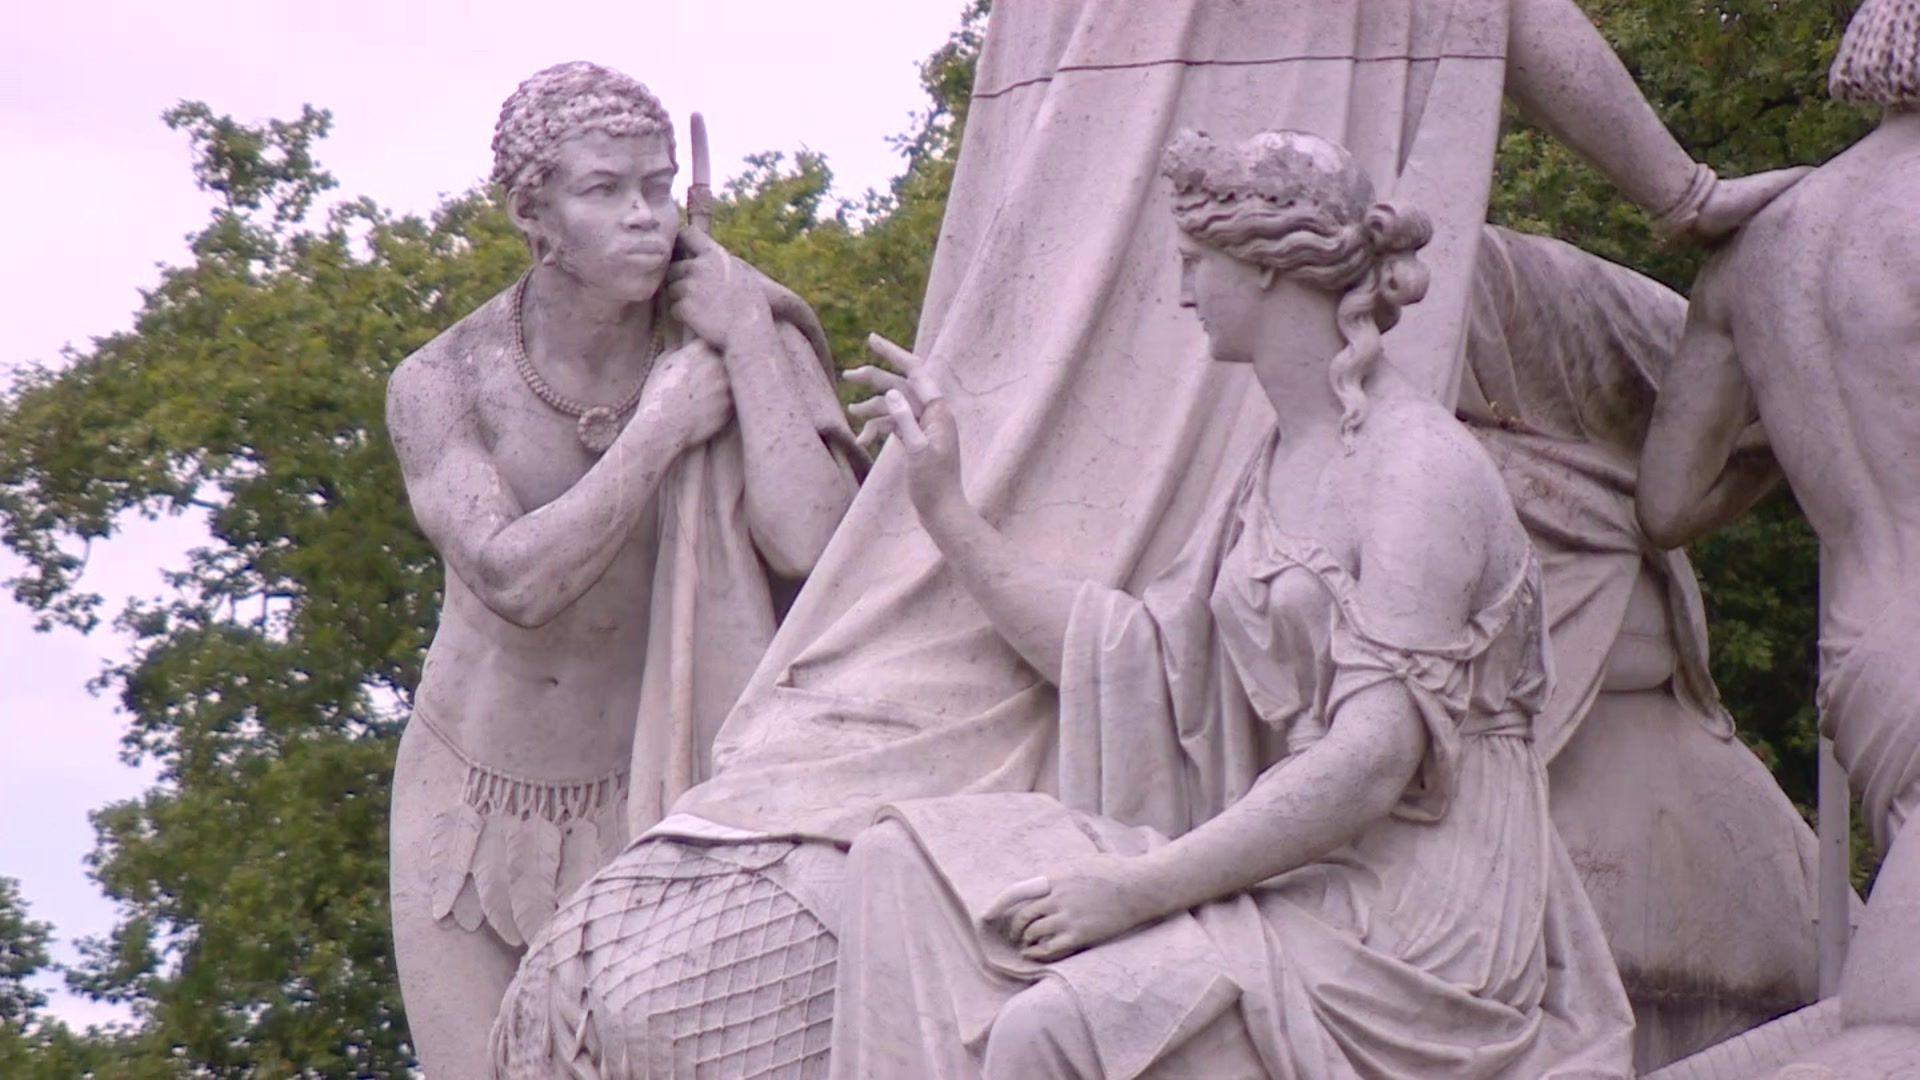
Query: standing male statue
{"points": [[1810, 323], [611, 456]]}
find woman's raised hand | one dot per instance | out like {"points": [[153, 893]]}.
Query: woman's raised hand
{"points": [[910, 401]]}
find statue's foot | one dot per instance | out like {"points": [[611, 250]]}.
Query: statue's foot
{"points": [[1880, 1052]]}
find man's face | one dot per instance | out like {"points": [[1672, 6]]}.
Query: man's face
{"points": [[607, 215]]}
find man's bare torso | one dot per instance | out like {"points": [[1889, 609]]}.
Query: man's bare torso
{"points": [[1821, 293], [502, 691]]}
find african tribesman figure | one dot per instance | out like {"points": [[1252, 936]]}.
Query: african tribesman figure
{"points": [[615, 457], [1809, 323]]}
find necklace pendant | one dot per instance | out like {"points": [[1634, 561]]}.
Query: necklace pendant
{"points": [[598, 427]]}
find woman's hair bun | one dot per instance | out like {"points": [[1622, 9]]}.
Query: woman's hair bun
{"points": [[1403, 280], [1394, 231]]}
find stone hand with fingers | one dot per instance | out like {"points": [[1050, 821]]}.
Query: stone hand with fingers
{"points": [[716, 296], [1732, 202], [688, 394], [910, 401], [1077, 905]]}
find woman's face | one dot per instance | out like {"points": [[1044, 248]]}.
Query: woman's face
{"points": [[1229, 296], [1246, 310]]}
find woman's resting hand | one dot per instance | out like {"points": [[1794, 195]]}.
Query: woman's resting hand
{"points": [[1076, 905]]}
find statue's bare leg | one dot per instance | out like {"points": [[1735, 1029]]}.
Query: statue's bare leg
{"points": [[1882, 980], [452, 979], [1870, 687]]}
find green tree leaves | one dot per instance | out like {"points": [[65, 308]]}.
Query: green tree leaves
{"points": [[268, 688], [23, 954]]}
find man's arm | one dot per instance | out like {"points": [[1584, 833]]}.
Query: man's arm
{"points": [[1695, 473], [797, 490], [1566, 78], [529, 567]]}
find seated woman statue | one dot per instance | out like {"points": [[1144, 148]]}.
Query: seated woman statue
{"points": [[1301, 827]]}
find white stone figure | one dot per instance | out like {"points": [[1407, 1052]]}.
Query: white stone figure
{"points": [[1051, 302], [1700, 869], [1096, 432], [1327, 703], [1800, 356], [548, 441]]}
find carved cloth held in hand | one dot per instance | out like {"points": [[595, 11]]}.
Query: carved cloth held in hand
{"points": [[676, 960], [515, 846]]}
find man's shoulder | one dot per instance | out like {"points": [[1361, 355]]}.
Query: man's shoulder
{"points": [[452, 360], [445, 374]]}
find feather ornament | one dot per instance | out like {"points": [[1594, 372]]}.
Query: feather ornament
{"points": [[467, 914], [533, 871], [491, 866], [450, 854], [580, 855]]}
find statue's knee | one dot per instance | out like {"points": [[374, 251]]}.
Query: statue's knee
{"points": [[883, 845], [1045, 1006], [1039, 1033]]}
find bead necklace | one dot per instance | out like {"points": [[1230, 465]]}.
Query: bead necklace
{"points": [[597, 425]]}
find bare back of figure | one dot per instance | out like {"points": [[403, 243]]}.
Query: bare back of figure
{"points": [[1821, 296], [1810, 324]]}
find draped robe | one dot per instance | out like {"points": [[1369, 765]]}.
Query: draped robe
{"points": [[1447, 938], [1094, 428]]}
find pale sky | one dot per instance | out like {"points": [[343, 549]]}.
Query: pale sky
{"points": [[99, 192]]}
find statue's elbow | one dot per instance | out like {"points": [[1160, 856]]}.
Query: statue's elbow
{"points": [[794, 552], [792, 539], [519, 599], [1661, 523]]}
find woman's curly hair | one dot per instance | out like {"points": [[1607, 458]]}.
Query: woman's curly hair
{"points": [[1298, 205]]}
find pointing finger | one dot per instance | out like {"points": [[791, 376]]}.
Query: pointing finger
{"points": [[893, 354], [905, 424], [877, 378]]}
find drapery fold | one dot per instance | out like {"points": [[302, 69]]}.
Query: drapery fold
{"points": [[1095, 430], [715, 606], [1449, 938]]}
